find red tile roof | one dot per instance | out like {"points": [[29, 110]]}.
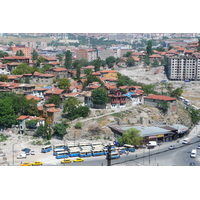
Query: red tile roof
{"points": [[160, 97], [49, 105], [59, 69], [53, 110], [108, 71], [22, 117], [54, 90], [33, 97]]}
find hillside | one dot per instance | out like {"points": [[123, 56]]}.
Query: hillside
{"points": [[97, 128]]}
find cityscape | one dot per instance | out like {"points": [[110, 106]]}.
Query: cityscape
{"points": [[99, 99]]}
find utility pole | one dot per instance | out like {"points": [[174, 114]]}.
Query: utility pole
{"points": [[109, 155]]}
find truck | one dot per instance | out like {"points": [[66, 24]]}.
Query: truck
{"points": [[152, 144]]}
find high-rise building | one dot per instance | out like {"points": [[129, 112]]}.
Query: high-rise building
{"points": [[182, 68]]}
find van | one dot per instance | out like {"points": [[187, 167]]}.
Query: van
{"points": [[152, 144], [193, 153]]}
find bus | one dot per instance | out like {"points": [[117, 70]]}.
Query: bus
{"points": [[115, 155], [46, 149], [74, 151], [85, 153], [98, 152], [55, 151], [59, 146], [62, 154], [129, 147]]}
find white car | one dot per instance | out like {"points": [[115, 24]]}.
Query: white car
{"points": [[32, 152], [171, 147], [23, 155]]}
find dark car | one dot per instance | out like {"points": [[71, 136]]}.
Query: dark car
{"points": [[192, 164], [26, 149]]}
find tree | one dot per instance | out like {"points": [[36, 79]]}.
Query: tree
{"points": [[127, 54], [7, 113], [23, 69], [130, 62], [99, 96], [19, 53], [88, 71], [34, 55], [194, 114], [40, 60], [176, 93], [44, 131], [149, 49], [63, 83], [80, 111], [54, 99], [131, 136], [3, 54], [155, 63], [90, 79], [78, 73], [60, 57], [4, 78], [163, 105], [60, 129], [110, 61], [70, 104], [68, 60]]}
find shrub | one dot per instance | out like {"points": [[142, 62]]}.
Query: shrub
{"points": [[78, 125]]}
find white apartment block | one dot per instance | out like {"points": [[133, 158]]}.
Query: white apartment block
{"points": [[184, 68]]}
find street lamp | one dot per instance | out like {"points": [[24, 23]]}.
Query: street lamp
{"points": [[13, 152]]}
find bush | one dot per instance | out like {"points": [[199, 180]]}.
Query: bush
{"points": [[78, 125]]}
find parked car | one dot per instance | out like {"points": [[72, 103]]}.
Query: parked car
{"points": [[23, 155], [192, 164], [171, 147], [26, 149], [66, 161], [37, 163], [32, 152], [79, 160], [193, 153], [198, 147], [25, 164]]}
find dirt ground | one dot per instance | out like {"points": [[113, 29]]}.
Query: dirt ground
{"points": [[190, 90]]}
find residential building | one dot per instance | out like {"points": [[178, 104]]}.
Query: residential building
{"points": [[50, 113], [89, 54], [22, 120], [154, 100], [182, 68]]}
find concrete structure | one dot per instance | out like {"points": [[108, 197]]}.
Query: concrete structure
{"points": [[89, 54], [182, 68]]}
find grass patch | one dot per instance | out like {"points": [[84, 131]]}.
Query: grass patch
{"points": [[3, 138]]}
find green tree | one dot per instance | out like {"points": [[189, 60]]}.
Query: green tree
{"points": [[19, 53], [70, 104], [163, 105], [130, 62], [60, 129], [44, 131], [63, 83], [78, 73], [176, 93], [99, 96], [7, 113], [80, 111], [127, 54], [88, 71], [131, 136], [194, 114], [40, 60], [90, 79], [23, 69], [149, 49], [110, 61], [54, 99], [78, 125], [68, 60], [34, 55], [4, 78], [3, 54], [155, 63]]}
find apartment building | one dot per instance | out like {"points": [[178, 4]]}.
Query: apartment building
{"points": [[89, 54], [182, 68]]}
